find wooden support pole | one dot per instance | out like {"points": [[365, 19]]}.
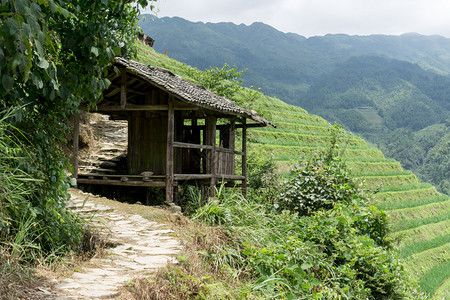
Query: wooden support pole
{"points": [[123, 88], [244, 157], [211, 141], [170, 156], [233, 147], [76, 142]]}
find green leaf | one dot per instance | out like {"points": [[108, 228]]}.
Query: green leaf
{"points": [[65, 13], [43, 64], [117, 51], [20, 6], [37, 81], [12, 25], [7, 82], [17, 60], [94, 50], [306, 266], [53, 6]]}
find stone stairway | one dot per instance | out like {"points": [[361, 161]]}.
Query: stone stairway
{"points": [[139, 248], [112, 139]]}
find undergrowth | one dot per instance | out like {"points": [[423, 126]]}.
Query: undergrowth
{"points": [[312, 236], [34, 230]]}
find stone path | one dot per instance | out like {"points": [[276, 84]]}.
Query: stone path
{"points": [[141, 247]]}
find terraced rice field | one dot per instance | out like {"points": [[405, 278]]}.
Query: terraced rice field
{"points": [[420, 215]]}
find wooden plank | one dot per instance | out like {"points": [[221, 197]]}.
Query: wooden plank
{"points": [[191, 146], [221, 126], [207, 176], [76, 142], [134, 107], [123, 88], [132, 90], [169, 156], [120, 176], [226, 150], [191, 176], [123, 183]]}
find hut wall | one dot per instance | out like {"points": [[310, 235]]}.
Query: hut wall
{"points": [[191, 157], [147, 142], [226, 161]]}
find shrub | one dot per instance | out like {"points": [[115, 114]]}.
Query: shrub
{"points": [[31, 224]]}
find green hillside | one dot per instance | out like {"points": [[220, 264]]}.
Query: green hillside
{"points": [[419, 213]]}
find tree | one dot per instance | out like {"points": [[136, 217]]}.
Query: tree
{"points": [[53, 55]]}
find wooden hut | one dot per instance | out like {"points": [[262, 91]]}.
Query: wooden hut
{"points": [[177, 130]]}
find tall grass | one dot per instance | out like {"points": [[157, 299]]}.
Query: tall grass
{"points": [[413, 223], [424, 262], [33, 226], [367, 172], [406, 187], [401, 196], [421, 233], [435, 277], [413, 203], [424, 245]]}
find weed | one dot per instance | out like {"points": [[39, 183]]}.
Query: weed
{"points": [[424, 245], [413, 203]]}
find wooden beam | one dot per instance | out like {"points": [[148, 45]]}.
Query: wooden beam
{"points": [[244, 157], [76, 142], [226, 150], [233, 146], [169, 152], [122, 183], [123, 88], [221, 126], [191, 146], [118, 176], [129, 89], [206, 176], [211, 141], [191, 176], [135, 107]]}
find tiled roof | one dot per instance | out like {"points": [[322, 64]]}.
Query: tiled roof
{"points": [[186, 90]]}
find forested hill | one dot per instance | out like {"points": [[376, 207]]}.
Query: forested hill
{"points": [[289, 58], [393, 90]]}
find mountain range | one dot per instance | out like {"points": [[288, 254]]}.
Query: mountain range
{"points": [[392, 90]]}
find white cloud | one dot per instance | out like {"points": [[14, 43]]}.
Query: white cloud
{"points": [[319, 17]]}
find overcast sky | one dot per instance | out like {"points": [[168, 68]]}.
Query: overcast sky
{"points": [[319, 17]]}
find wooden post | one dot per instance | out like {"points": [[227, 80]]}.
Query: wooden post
{"points": [[232, 146], [212, 164], [169, 156], [123, 88], [244, 157], [76, 139]]}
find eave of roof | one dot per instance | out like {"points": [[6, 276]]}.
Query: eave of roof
{"points": [[187, 91]]}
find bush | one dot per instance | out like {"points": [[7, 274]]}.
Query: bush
{"points": [[320, 182], [30, 225], [337, 247]]}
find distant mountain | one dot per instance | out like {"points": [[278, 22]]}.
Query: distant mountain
{"points": [[395, 93], [385, 88], [285, 60]]}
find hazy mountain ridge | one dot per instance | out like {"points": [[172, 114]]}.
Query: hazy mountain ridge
{"points": [[375, 85]]}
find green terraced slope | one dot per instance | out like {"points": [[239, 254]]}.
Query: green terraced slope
{"points": [[420, 215]]}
